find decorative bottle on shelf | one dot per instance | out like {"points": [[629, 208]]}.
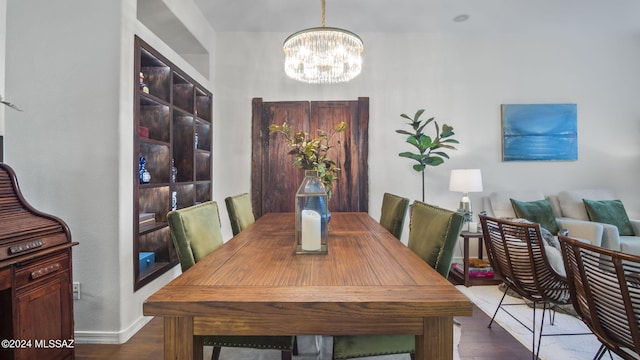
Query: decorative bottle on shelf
{"points": [[143, 86], [174, 200], [143, 173], [174, 172], [311, 215]]}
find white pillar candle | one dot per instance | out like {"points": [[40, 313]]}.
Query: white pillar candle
{"points": [[310, 230], [473, 227]]}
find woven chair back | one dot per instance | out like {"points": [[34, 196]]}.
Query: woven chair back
{"points": [[605, 288], [516, 252]]}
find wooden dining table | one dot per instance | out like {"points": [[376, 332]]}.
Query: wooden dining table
{"points": [[255, 284]]}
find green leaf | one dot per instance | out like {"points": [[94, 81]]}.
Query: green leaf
{"points": [[413, 141], [425, 142], [404, 132], [440, 153], [410, 155], [434, 161], [406, 116], [447, 131], [419, 167], [418, 114], [419, 131], [429, 121], [448, 147]]}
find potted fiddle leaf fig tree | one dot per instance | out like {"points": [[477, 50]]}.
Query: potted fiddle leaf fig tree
{"points": [[430, 150]]}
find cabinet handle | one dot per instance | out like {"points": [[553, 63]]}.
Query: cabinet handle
{"points": [[25, 246], [45, 270]]}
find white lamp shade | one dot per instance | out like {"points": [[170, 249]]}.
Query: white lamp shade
{"points": [[465, 180]]}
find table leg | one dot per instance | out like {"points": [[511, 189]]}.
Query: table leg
{"points": [[437, 341], [466, 261], [179, 342]]}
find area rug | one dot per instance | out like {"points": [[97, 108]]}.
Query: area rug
{"points": [[307, 350], [572, 347]]}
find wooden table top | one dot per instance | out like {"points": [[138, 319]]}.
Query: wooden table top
{"points": [[366, 273]]}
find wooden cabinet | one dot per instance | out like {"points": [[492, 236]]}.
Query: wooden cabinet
{"points": [[37, 299], [36, 306], [172, 127]]}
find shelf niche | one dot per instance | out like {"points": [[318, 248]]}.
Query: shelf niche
{"points": [[172, 127]]}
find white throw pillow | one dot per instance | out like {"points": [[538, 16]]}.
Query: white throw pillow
{"points": [[555, 260], [501, 201], [572, 205]]}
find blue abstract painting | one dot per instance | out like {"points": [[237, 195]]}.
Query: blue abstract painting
{"points": [[539, 132]]}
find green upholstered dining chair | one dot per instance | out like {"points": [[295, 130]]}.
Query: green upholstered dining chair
{"points": [[196, 232], [394, 209], [433, 234], [240, 212]]}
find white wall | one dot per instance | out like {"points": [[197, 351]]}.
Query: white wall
{"points": [[461, 80], [3, 37], [70, 68], [63, 147]]}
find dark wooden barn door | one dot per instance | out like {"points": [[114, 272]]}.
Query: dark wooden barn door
{"points": [[274, 180]]}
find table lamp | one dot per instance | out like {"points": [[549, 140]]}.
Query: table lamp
{"points": [[466, 181]]}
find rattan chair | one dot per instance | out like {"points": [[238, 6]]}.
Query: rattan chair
{"points": [[393, 212], [605, 291], [195, 232], [516, 252]]}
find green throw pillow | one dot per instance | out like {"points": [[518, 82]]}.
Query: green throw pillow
{"points": [[538, 212], [609, 212]]}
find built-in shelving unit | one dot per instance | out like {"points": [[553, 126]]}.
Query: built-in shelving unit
{"points": [[172, 127]]}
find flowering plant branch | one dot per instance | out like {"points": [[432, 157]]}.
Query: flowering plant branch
{"points": [[311, 153]]}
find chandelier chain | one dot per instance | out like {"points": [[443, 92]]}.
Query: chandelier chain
{"points": [[323, 17]]}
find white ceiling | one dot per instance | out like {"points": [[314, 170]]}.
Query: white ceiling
{"points": [[485, 16]]}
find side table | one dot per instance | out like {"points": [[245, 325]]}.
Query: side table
{"points": [[464, 278]]}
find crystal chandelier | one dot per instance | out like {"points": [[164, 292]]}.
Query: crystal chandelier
{"points": [[323, 55]]}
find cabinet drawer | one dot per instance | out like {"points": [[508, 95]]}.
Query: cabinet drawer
{"points": [[40, 269]]}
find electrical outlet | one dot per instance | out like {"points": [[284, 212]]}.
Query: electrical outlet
{"points": [[76, 291]]}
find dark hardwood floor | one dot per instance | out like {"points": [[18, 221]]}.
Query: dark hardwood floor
{"points": [[477, 343]]}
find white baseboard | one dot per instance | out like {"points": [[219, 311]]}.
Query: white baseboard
{"points": [[111, 337]]}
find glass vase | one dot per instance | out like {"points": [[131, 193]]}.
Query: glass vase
{"points": [[311, 215]]}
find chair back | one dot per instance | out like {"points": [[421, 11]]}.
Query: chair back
{"points": [[394, 210], [605, 288], [195, 232], [517, 255], [433, 234], [240, 212]]}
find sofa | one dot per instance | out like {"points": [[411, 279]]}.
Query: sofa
{"points": [[533, 206], [624, 236], [498, 205]]}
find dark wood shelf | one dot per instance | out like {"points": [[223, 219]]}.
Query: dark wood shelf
{"points": [[149, 227], [149, 99], [155, 142], [174, 110], [158, 266]]}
